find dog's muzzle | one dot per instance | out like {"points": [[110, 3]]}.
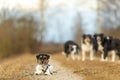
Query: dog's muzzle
{"points": [[42, 61]]}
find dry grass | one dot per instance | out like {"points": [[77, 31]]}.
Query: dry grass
{"points": [[17, 68], [22, 68], [92, 70]]}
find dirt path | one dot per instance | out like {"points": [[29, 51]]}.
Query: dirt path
{"points": [[23, 67]]}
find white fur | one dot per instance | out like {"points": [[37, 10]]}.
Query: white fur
{"points": [[87, 48], [113, 55], [39, 69], [100, 48], [108, 37], [74, 49], [73, 52], [102, 57], [73, 55]]}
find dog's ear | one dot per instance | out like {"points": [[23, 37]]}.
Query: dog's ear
{"points": [[109, 38], [101, 35], [90, 36], [103, 41], [37, 57], [94, 35], [84, 35], [48, 56]]}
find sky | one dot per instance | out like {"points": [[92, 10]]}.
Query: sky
{"points": [[63, 16], [34, 4], [28, 5]]}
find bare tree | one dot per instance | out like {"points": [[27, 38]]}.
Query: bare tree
{"points": [[99, 30], [78, 25], [110, 13], [42, 22], [16, 35]]}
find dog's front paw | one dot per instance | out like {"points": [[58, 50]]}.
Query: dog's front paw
{"points": [[48, 73], [38, 73]]}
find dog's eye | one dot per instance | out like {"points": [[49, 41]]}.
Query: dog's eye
{"points": [[40, 58], [45, 58], [71, 49]]}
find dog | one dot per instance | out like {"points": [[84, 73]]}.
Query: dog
{"points": [[87, 46], [98, 44], [111, 46], [73, 49], [42, 65]]}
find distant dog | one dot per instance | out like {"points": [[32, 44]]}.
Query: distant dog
{"points": [[42, 65], [111, 46], [71, 48], [87, 46], [98, 44]]}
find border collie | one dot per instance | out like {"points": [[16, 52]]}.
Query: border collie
{"points": [[98, 44], [71, 49], [111, 46], [42, 65], [87, 46]]}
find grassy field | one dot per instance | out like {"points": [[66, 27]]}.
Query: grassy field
{"points": [[92, 70], [22, 68], [17, 68]]}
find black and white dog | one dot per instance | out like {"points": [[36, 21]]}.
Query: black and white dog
{"points": [[87, 46], [98, 44], [107, 46], [42, 65], [71, 49], [111, 46]]}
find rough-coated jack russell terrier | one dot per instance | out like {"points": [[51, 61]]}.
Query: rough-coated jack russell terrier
{"points": [[42, 65]]}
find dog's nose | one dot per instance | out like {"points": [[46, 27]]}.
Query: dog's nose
{"points": [[42, 61], [88, 40], [36, 73]]}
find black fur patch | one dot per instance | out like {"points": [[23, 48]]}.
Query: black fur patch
{"points": [[42, 58], [68, 47], [87, 36], [110, 44]]}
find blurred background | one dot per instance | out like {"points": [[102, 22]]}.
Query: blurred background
{"points": [[44, 25]]}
